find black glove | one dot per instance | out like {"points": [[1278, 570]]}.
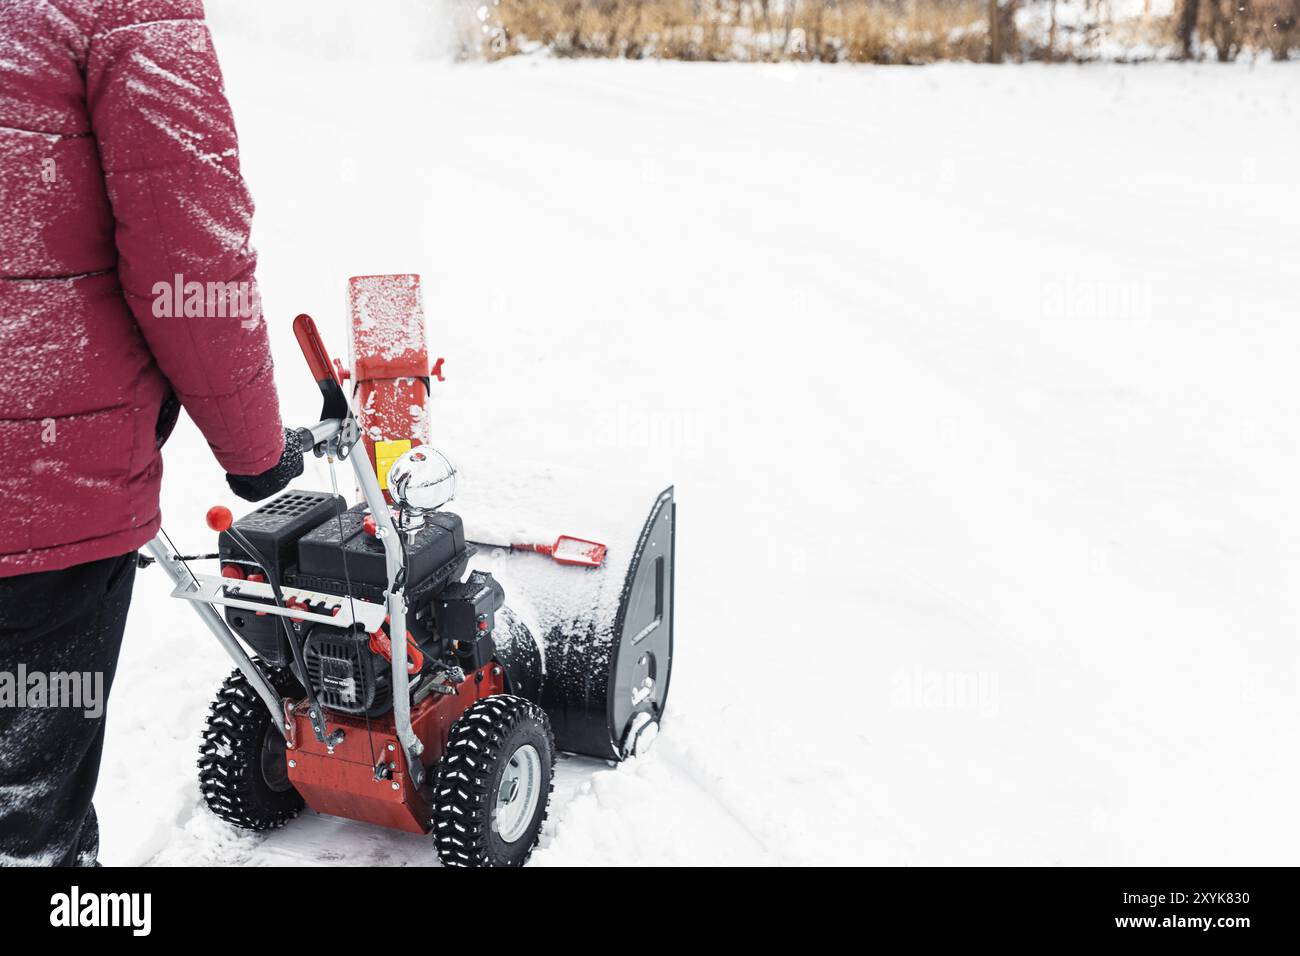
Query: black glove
{"points": [[275, 478]]}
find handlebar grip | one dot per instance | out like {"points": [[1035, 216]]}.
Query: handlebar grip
{"points": [[306, 440], [311, 438]]}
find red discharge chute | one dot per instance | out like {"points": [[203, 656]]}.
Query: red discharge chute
{"points": [[390, 373]]}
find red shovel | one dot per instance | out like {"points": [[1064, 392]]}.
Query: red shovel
{"points": [[577, 552]]}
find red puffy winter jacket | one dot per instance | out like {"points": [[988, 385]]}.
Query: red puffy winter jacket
{"points": [[119, 179]]}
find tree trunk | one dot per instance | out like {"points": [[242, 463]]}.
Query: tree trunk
{"points": [[1188, 12], [995, 32]]}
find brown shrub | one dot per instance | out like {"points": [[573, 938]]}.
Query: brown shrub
{"points": [[1233, 26], [1275, 25], [862, 31]]}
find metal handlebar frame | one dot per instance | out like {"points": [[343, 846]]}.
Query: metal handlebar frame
{"points": [[335, 438]]}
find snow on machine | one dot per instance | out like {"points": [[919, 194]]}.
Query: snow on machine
{"points": [[381, 673]]}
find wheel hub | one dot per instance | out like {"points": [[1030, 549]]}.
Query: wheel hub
{"points": [[518, 792]]}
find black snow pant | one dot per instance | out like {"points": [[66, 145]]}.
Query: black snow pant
{"points": [[55, 624]]}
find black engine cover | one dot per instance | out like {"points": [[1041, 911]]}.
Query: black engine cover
{"points": [[274, 529], [328, 560]]}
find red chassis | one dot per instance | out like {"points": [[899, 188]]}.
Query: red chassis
{"points": [[343, 783]]}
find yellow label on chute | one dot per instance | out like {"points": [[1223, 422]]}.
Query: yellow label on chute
{"points": [[387, 452]]}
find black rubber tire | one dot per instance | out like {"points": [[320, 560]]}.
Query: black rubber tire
{"points": [[480, 746], [239, 748]]}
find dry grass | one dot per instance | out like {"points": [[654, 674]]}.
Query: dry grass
{"points": [[860, 31], [854, 31]]}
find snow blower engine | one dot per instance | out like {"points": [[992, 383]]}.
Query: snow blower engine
{"points": [[388, 681]]}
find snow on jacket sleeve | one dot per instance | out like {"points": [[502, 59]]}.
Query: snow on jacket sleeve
{"points": [[183, 214]]}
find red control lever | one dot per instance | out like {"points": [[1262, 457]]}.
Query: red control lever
{"points": [[219, 518], [323, 371], [313, 349]]}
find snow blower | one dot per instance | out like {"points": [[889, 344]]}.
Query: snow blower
{"points": [[380, 674]]}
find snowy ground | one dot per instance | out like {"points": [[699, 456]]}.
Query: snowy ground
{"points": [[976, 385]]}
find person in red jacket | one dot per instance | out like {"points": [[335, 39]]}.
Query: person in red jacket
{"points": [[126, 291]]}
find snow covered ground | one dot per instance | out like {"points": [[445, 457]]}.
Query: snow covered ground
{"points": [[977, 388]]}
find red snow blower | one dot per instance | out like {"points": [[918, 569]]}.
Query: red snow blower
{"points": [[380, 674]]}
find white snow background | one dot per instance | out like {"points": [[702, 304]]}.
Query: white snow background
{"points": [[977, 386]]}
